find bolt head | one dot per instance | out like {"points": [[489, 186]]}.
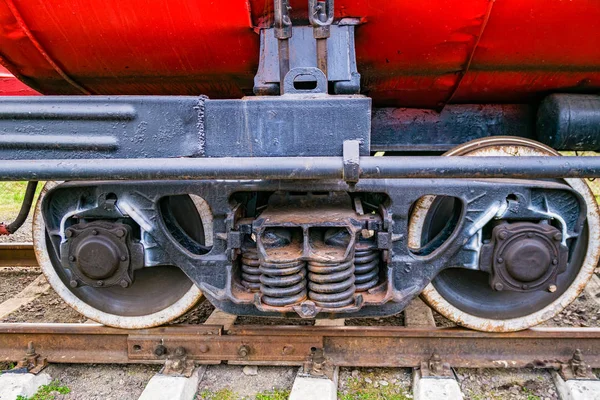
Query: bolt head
{"points": [[69, 233], [500, 260], [243, 351], [555, 261], [71, 258], [73, 283], [160, 350], [552, 288], [530, 235], [95, 232], [498, 286], [557, 236], [100, 283], [123, 257], [502, 235], [120, 232], [124, 283], [180, 351]]}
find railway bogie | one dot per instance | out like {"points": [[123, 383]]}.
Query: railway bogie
{"points": [[275, 204]]}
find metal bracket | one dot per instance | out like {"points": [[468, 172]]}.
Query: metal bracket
{"points": [[296, 74], [576, 368], [32, 362], [351, 160], [178, 364], [341, 69], [317, 365], [435, 367]]}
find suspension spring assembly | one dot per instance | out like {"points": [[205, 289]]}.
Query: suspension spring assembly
{"points": [[250, 269], [366, 266], [331, 285], [283, 284]]}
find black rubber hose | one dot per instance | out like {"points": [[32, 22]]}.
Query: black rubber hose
{"points": [[25, 207]]}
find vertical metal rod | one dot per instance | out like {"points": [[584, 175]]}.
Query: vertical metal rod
{"points": [[283, 31], [320, 15], [284, 61], [322, 55]]}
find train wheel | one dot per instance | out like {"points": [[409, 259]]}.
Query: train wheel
{"points": [[158, 294], [465, 296]]}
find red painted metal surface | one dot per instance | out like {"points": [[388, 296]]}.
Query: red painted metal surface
{"points": [[11, 86], [410, 52]]}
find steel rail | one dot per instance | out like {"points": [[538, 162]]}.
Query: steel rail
{"points": [[17, 255], [301, 168], [292, 345]]}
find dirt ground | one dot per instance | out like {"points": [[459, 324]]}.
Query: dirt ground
{"points": [[102, 382], [231, 379], [14, 280], [513, 384]]}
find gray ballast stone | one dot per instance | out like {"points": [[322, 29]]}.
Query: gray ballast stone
{"points": [[26, 385]]}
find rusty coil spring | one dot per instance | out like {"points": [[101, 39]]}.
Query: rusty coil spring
{"points": [[331, 285], [366, 266], [283, 284], [250, 270]]}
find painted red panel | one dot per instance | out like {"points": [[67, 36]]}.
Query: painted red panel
{"points": [[418, 53]]}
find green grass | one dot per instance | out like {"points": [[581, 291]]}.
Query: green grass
{"points": [[11, 197], [48, 392], [228, 394], [358, 389]]}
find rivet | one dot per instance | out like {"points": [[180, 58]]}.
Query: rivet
{"points": [[203, 348], [180, 351], [555, 261], [525, 287], [123, 258], [71, 258], [500, 260], [530, 235], [287, 350], [552, 288]]}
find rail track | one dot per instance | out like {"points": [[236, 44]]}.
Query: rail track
{"points": [[294, 345], [17, 255], [356, 346]]}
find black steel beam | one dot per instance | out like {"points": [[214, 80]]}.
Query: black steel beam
{"points": [[300, 168]]}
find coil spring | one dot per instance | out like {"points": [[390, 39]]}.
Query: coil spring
{"points": [[331, 285], [366, 266], [250, 270], [283, 284]]}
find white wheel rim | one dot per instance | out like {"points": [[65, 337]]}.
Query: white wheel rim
{"points": [[442, 306], [180, 307]]}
